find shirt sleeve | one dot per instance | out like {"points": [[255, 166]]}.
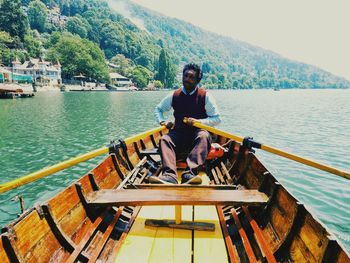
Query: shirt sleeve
{"points": [[212, 111], [163, 106]]}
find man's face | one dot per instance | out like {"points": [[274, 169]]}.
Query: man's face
{"points": [[189, 79]]}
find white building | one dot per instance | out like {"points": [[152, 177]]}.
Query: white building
{"points": [[39, 70], [119, 80]]}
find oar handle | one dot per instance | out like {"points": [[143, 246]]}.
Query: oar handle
{"points": [[276, 151], [305, 161], [50, 170], [68, 163]]}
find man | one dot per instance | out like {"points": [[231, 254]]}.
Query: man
{"points": [[196, 104]]}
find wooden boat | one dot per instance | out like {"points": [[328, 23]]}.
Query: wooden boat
{"points": [[13, 93], [256, 219]]}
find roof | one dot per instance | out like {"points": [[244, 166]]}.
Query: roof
{"points": [[33, 63], [115, 75], [3, 70]]}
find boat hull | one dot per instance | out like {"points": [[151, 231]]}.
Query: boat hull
{"points": [[66, 228]]}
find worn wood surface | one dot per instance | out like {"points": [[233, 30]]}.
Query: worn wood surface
{"points": [[185, 186], [179, 196], [247, 246], [259, 236], [172, 245], [208, 246], [4, 258], [36, 241], [189, 225], [231, 248], [139, 242], [97, 248]]}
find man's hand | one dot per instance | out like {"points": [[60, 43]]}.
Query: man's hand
{"points": [[190, 121], [168, 124]]}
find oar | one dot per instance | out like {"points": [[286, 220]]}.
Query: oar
{"points": [[68, 163], [275, 151]]}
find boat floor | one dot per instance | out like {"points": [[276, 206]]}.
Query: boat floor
{"points": [[163, 244]]}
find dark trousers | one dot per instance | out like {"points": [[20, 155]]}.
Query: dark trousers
{"points": [[195, 142]]}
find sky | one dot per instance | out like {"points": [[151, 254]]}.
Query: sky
{"points": [[315, 32]]}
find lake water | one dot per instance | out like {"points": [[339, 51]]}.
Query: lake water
{"points": [[53, 126]]}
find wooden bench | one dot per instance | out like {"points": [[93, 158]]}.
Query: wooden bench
{"points": [[176, 196]]}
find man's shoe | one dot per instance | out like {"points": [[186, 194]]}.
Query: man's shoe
{"points": [[191, 179], [163, 179]]}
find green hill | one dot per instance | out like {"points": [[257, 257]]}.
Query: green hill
{"points": [[81, 34], [229, 62]]}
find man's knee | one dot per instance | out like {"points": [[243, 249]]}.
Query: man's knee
{"points": [[165, 139], [204, 135]]}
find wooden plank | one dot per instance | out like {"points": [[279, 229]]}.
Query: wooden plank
{"points": [[216, 179], [189, 225], [178, 196], [59, 205], [208, 246], [172, 245], [71, 223], [138, 243], [4, 258], [98, 247], [183, 239], [186, 186], [231, 248], [148, 142], [245, 240], [115, 250], [44, 250], [314, 236], [261, 239], [85, 238], [29, 238], [226, 173], [219, 174], [103, 170]]}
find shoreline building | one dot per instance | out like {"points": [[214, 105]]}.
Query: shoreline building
{"points": [[37, 70], [119, 80]]}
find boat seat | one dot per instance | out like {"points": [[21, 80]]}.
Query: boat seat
{"points": [[176, 195], [216, 151]]}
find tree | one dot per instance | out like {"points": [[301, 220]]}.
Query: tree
{"points": [[145, 60], [158, 84], [166, 69], [78, 25], [37, 15], [80, 56], [5, 39], [141, 76], [124, 65], [12, 18], [162, 66], [8, 55], [112, 39], [32, 45]]}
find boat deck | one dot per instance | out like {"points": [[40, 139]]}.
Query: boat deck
{"points": [[163, 244]]}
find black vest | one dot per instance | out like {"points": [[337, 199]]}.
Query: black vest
{"points": [[188, 106]]}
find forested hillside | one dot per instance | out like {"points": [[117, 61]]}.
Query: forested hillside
{"points": [[232, 63], [83, 34]]}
